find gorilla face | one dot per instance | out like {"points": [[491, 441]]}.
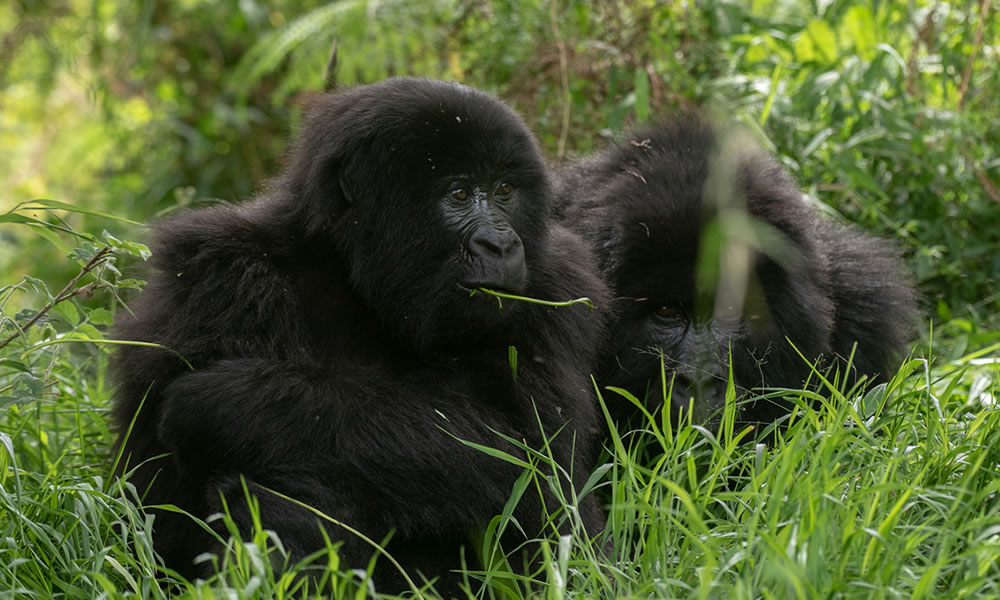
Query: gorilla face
{"points": [[678, 339], [432, 194], [493, 251], [695, 301]]}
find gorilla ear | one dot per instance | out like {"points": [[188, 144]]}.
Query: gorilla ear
{"points": [[327, 173], [323, 196]]}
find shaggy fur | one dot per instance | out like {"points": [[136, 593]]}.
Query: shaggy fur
{"points": [[337, 351], [696, 282]]}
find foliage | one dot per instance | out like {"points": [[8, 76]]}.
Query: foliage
{"points": [[884, 110], [889, 495]]}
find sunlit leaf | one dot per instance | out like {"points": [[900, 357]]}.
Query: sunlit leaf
{"points": [[817, 43]]}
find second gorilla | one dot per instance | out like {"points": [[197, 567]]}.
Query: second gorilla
{"points": [[717, 262]]}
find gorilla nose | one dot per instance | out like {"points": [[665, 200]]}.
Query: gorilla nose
{"points": [[498, 260], [708, 394], [493, 244]]}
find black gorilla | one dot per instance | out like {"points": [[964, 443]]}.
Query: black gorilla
{"points": [[697, 282], [337, 351]]}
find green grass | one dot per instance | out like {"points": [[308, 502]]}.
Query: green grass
{"points": [[890, 496], [884, 112], [887, 494]]}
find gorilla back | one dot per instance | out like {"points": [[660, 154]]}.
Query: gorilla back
{"points": [[717, 262], [337, 351]]}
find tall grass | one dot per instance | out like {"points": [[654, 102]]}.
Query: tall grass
{"points": [[887, 493]]}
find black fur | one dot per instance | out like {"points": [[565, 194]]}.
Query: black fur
{"points": [[646, 206], [336, 352]]}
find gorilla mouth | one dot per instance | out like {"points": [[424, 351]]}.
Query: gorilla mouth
{"points": [[506, 278], [503, 281]]}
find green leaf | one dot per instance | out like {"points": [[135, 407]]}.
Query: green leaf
{"points": [[56, 205], [512, 360], [494, 452], [641, 94], [861, 178], [86, 332], [13, 364], [772, 92], [131, 248], [27, 387], [817, 43], [858, 30], [68, 312], [26, 314], [83, 253], [132, 284], [12, 217], [100, 316]]}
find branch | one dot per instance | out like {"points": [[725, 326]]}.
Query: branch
{"points": [[975, 50], [988, 185], [563, 76], [924, 34], [67, 292]]}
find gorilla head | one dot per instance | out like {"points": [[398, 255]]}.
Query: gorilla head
{"points": [[463, 181], [718, 263]]}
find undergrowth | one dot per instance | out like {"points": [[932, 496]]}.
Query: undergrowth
{"points": [[887, 493]]}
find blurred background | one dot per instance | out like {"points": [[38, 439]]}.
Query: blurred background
{"points": [[887, 112]]}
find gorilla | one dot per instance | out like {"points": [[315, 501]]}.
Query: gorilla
{"points": [[325, 340], [717, 263]]}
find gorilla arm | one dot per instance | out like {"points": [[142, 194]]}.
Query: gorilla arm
{"points": [[256, 416]]}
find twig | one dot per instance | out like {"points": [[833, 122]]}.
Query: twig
{"points": [[556, 303], [924, 34], [563, 76], [988, 185], [67, 292], [975, 50]]}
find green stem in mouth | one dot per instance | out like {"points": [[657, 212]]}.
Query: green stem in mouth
{"points": [[500, 296]]}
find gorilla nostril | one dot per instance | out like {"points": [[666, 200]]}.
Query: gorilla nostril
{"points": [[484, 246], [494, 244]]}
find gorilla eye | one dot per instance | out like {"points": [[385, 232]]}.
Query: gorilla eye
{"points": [[504, 189], [667, 312], [460, 195]]}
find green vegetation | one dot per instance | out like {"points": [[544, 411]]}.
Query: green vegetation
{"points": [[114, 112]]}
